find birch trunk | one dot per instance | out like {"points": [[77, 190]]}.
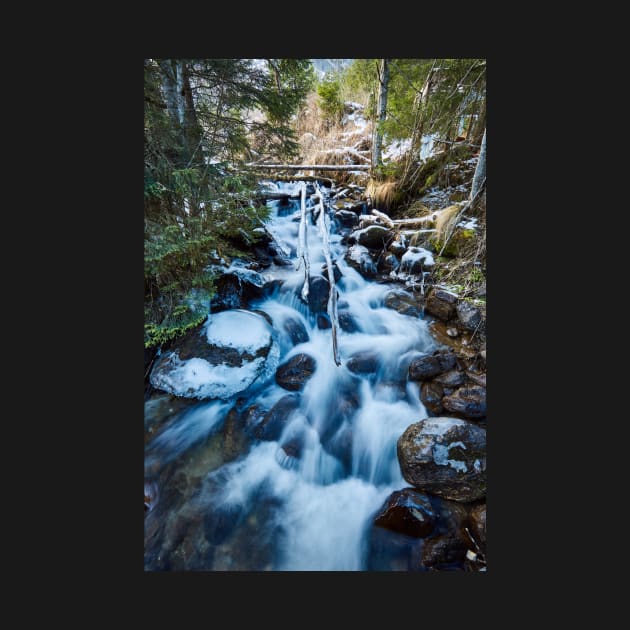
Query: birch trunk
{"points": [[480, 171], [381, 111]]}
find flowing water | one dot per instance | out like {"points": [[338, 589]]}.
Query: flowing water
{"points": [[305, 501]]}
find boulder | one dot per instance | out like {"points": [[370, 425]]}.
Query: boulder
{"points": [[293, 374], [232, 350], [388, 263], [236, 289], [470, 402], [427, 367], [408, 512], [375, 237], [446, 457], [441, 304], [431, 396]]}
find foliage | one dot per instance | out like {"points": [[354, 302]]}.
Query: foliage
{"points": [[329, 100], [197, 201]]}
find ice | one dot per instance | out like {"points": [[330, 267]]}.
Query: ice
{"points": [[415, 254]]}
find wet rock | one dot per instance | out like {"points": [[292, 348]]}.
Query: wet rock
{"points": [[403, 302], [452, 378], [446, 457], [347, 218], [443, 550], [397, 248], [347, 323], [235, 290], [293, 374], [365, 362], [337, 275], [427, 367], [407, 511], [431, 396], [296, 330], [469, 316], [388, 263], [222, 358], [277, 417], [470, 402], [441, 304], [358, 257], [323, 321], [478, 524], [375, 237], [318, 290], [392, 551], [150, 495]]}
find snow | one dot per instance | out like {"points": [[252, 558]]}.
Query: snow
{"points": [[440, 456], [239, 329], [415, 254], [468, 224], [397, 149], [238, 269]]}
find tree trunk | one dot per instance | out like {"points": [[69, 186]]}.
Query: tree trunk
{"points": [[381, 111], [480, 171]]}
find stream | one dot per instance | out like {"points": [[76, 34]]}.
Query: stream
{"points": [[227, 500]]}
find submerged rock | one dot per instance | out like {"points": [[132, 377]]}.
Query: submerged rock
{"points": [[365, 362], [347, 323], [407, 511], [274, 421], [470, 402], [293, 374], [446, 457], [296, 330], [231, 351]]}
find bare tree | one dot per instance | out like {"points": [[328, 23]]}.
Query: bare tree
{"points": [[381, 112]]}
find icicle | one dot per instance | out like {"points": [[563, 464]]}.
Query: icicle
{"points": [[324, 225], [302, 249]]}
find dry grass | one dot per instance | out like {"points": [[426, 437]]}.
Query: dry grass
{"points": [[331, 143], [445, 221], [383, 194]]}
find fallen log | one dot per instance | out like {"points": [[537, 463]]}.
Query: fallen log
{"points": [[312, 167]]}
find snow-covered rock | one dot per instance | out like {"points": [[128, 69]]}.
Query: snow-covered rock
{"points": [[415, 259], [231, 351]]}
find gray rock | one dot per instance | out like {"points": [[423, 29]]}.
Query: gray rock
{"points": [[431, 396], [373, 237], [452, 378], [347, 218], [403, 302], [469, 316], [365, 362]]}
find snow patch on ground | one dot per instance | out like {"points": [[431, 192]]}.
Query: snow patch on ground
{"points": [[468, 224], [397, 149]]}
